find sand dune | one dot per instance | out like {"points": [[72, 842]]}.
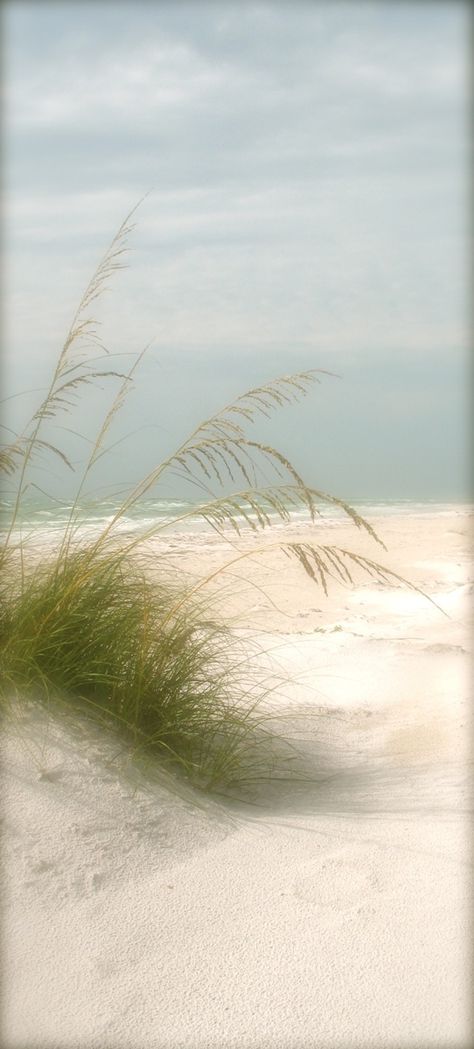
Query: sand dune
{"points": [[334, 912]]}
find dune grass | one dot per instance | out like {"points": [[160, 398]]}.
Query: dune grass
{"points": [[135, 656], [90, 627]]}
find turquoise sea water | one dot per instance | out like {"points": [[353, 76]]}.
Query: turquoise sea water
{"points": [[178, 515]]}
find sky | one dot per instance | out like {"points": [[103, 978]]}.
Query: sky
{"points": [[306, 166]]}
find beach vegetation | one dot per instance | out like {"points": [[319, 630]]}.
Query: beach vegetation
{"points": [[103, 624]]}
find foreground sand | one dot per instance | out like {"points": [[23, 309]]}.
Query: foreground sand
{"points": [[332, 914]]}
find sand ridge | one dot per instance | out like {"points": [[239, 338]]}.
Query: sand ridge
{"points": [[336, 914]]}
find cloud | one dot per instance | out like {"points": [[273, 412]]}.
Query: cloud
{"points": [[308, 163]]}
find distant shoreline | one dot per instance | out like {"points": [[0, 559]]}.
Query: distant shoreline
{"points": [[54, 517]]}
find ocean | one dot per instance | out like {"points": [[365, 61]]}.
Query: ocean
{"points": [[182, 517]]}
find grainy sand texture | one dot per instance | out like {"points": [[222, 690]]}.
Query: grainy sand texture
{"points": [[334, 912]]}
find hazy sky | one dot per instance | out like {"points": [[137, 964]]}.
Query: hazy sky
{"points": [[309, 208]]}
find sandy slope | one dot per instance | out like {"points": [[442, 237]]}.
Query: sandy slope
{"points": [[335, 914]]}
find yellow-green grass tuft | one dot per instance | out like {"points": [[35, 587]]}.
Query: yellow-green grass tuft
{"points": [[96, 634]]}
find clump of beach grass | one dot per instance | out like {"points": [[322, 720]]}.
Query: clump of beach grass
{"points": [[90, 627], [135, 656]]}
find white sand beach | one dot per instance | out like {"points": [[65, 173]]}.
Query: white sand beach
{"points": [[333, 913]]}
